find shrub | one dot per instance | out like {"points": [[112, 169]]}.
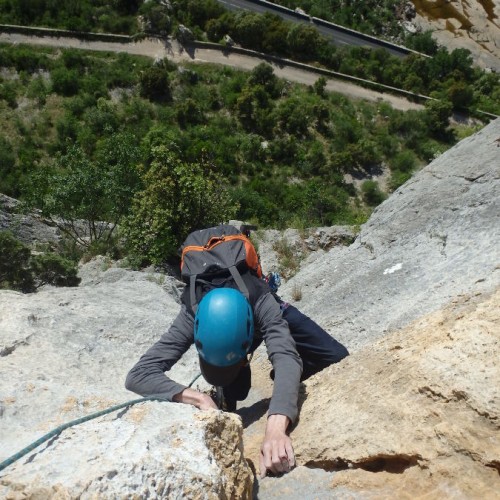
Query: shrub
{"points": [[54, 270], [289, 262], [65, 82], [155, 84], [178, 197], [405, 161], [82, 192], [19, 270], [372, 194], [15, 273]]}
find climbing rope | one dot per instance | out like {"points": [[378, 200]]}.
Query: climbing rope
{"points": [[55, 432]]}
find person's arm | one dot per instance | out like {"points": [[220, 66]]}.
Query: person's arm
{"points": [[148, 378], [277, 453]]}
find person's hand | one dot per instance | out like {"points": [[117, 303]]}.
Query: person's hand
{"points": [[199, 399], [276, 453]]}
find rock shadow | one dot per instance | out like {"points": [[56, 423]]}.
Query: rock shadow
{"points": [[250, 414]]}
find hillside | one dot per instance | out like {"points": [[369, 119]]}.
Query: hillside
{"points": [[409, 410]]}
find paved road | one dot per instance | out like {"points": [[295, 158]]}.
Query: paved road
{"points": [[339, 36], [173, 51]]}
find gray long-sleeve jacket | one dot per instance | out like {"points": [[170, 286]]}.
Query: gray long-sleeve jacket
{"points": [[148, 377]]}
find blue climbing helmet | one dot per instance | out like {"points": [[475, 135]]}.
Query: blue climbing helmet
{"points": [[223, 334]]}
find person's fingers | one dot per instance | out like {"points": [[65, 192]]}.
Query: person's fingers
{"points": [[265, 461], [262, 467], [290, 454], [277, 458], [284, 457]]}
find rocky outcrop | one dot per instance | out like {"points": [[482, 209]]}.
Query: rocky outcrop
{"points": [[28, 228], [435, 238], [471, 24], [418, 411], [64, 354], [151, 450]]}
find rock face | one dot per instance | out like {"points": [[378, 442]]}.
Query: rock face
{"points": [[29, 229], [471, 24], [153, 450], [418, 411], [435, 238], [64, 354]]}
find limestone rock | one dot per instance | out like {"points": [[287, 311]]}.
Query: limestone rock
{"points": [[471, 25], [28, 228], [64, 354], [418, 411], [151, 450], [435, 238], [415, 408]]}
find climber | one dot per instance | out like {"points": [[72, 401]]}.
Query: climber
{"points": [[226, 326]]}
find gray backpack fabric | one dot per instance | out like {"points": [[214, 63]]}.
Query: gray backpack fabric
{"points": [[217, 252]]}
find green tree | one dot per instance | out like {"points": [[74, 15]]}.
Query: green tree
{"points": [[263, 75], [15, 273], [84, 197], [19, 270], [319, 86], [304, 41], [422, 42], [155, 83], [65, 81], [437, 117], [372, 194], [156, 18], [461, 95], [52, 269], [249, 30], [177, 198]]}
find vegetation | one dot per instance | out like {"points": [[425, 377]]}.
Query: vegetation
{"points": [[111, 139], [86, 198], [117, 16], [22, 271], [444, 76], [155, 149], [178, 198]]}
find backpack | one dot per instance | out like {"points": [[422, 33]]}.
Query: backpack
{"points": [[217, 252]]}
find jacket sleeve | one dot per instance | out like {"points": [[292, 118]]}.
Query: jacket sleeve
{"points": [[147, 377], [283, 355]]}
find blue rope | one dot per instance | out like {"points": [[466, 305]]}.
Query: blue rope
{"points": [[58, 430]]}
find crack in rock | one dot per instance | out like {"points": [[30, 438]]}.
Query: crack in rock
{"points": [[394, 464], [473, 178], [495, 464], [457, 396], [6, 351]]}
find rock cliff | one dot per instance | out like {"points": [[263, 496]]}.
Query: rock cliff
{"points": [[414, 411], [467, 24]]}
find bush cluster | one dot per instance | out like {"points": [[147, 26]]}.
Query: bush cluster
{"points": [[84, 148], [21, 270]]}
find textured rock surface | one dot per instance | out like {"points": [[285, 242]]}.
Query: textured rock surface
{"points": [[436, 237], [416, 412], [29, 229], [64, 353], [153, 450], [302, 245], [413, 414], [468, 24]]}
